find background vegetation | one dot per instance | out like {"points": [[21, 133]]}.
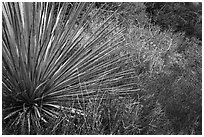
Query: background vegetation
{"points": [[179, 16], [102, 68]]}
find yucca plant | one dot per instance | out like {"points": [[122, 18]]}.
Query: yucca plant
{"points": [[48, 61]]}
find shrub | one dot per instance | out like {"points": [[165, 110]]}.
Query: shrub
{"points": [[169, 68], [132, 12]]}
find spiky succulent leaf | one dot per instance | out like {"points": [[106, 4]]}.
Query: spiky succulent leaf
{"points": [[48, 59]]}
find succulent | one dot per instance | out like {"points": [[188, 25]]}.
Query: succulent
{"points": [[49, 61]]}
